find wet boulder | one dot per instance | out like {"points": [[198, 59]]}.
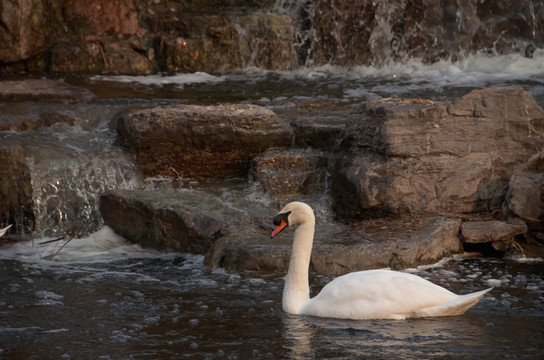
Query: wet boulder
{"points": [[292, 172], [20, 122], [226, 41], [409, 156], [489, 231], [327, 137], [161, 224], [201, 141], [397, 244], [525, 198], [235, 253], [24, 31], [394, 243], [492, 237], [102, 17]]}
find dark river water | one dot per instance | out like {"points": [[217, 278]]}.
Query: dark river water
{"points": [[107, 299], [103, 298]]}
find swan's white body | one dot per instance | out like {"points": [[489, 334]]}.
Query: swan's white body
{"points": [[371, 294]]}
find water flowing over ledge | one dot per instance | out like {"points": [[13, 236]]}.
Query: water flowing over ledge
{"points": [[142, 37], [444, 79]]}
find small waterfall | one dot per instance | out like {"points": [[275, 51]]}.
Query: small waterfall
{"points": [[368, 32], [67, 187], [303, 11], [71, 166]]}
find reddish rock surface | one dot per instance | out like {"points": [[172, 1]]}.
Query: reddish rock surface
{"points": [[210, 35], [201, 141]]}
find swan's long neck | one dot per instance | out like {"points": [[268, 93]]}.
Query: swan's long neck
{"points": [[296, 292]]}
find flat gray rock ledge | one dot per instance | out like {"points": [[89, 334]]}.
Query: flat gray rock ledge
{"points": [[485, 231], [158, 223], [398, 246], [43, 90], [195, 221]]}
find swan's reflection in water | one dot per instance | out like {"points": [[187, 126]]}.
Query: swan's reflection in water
{"points": [[298, 334], [312, 338]]}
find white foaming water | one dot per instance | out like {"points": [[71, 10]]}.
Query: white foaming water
{"points": [[474, 65], [469, 69], [473, 71], [159, 80], [103, 245], [444, 79]]}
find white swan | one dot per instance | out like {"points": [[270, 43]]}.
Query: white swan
{"points": [[371, 294]]}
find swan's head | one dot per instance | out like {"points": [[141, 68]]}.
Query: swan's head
{"points": [[294, 213]]}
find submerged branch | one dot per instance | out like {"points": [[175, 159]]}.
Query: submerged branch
{"points": [[62, 238], [54, 240], [70, 239]]}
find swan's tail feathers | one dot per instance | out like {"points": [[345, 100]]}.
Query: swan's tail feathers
{"points": [[457, 306]]}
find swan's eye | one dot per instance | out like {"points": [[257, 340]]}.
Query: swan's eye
{"points": [[284, 216]]}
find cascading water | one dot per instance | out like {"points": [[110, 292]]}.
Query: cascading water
{"points": [[71, 166], [377, 32]]}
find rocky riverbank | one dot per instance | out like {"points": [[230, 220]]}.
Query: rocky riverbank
{"points": [[407, 182], [147, 36]]}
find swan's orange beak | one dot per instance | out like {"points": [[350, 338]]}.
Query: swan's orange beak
{"points": [[280, 227]]}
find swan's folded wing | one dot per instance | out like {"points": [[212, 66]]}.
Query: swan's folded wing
{"points": [[377, 294]]}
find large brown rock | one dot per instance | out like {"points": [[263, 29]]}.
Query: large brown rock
{"points": [[23, 33], [16, 206], [102, 16], [291, 172], [226, 41], [188, 220], [398, 244], [525, 198], [419, 156], [201, 141]]}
